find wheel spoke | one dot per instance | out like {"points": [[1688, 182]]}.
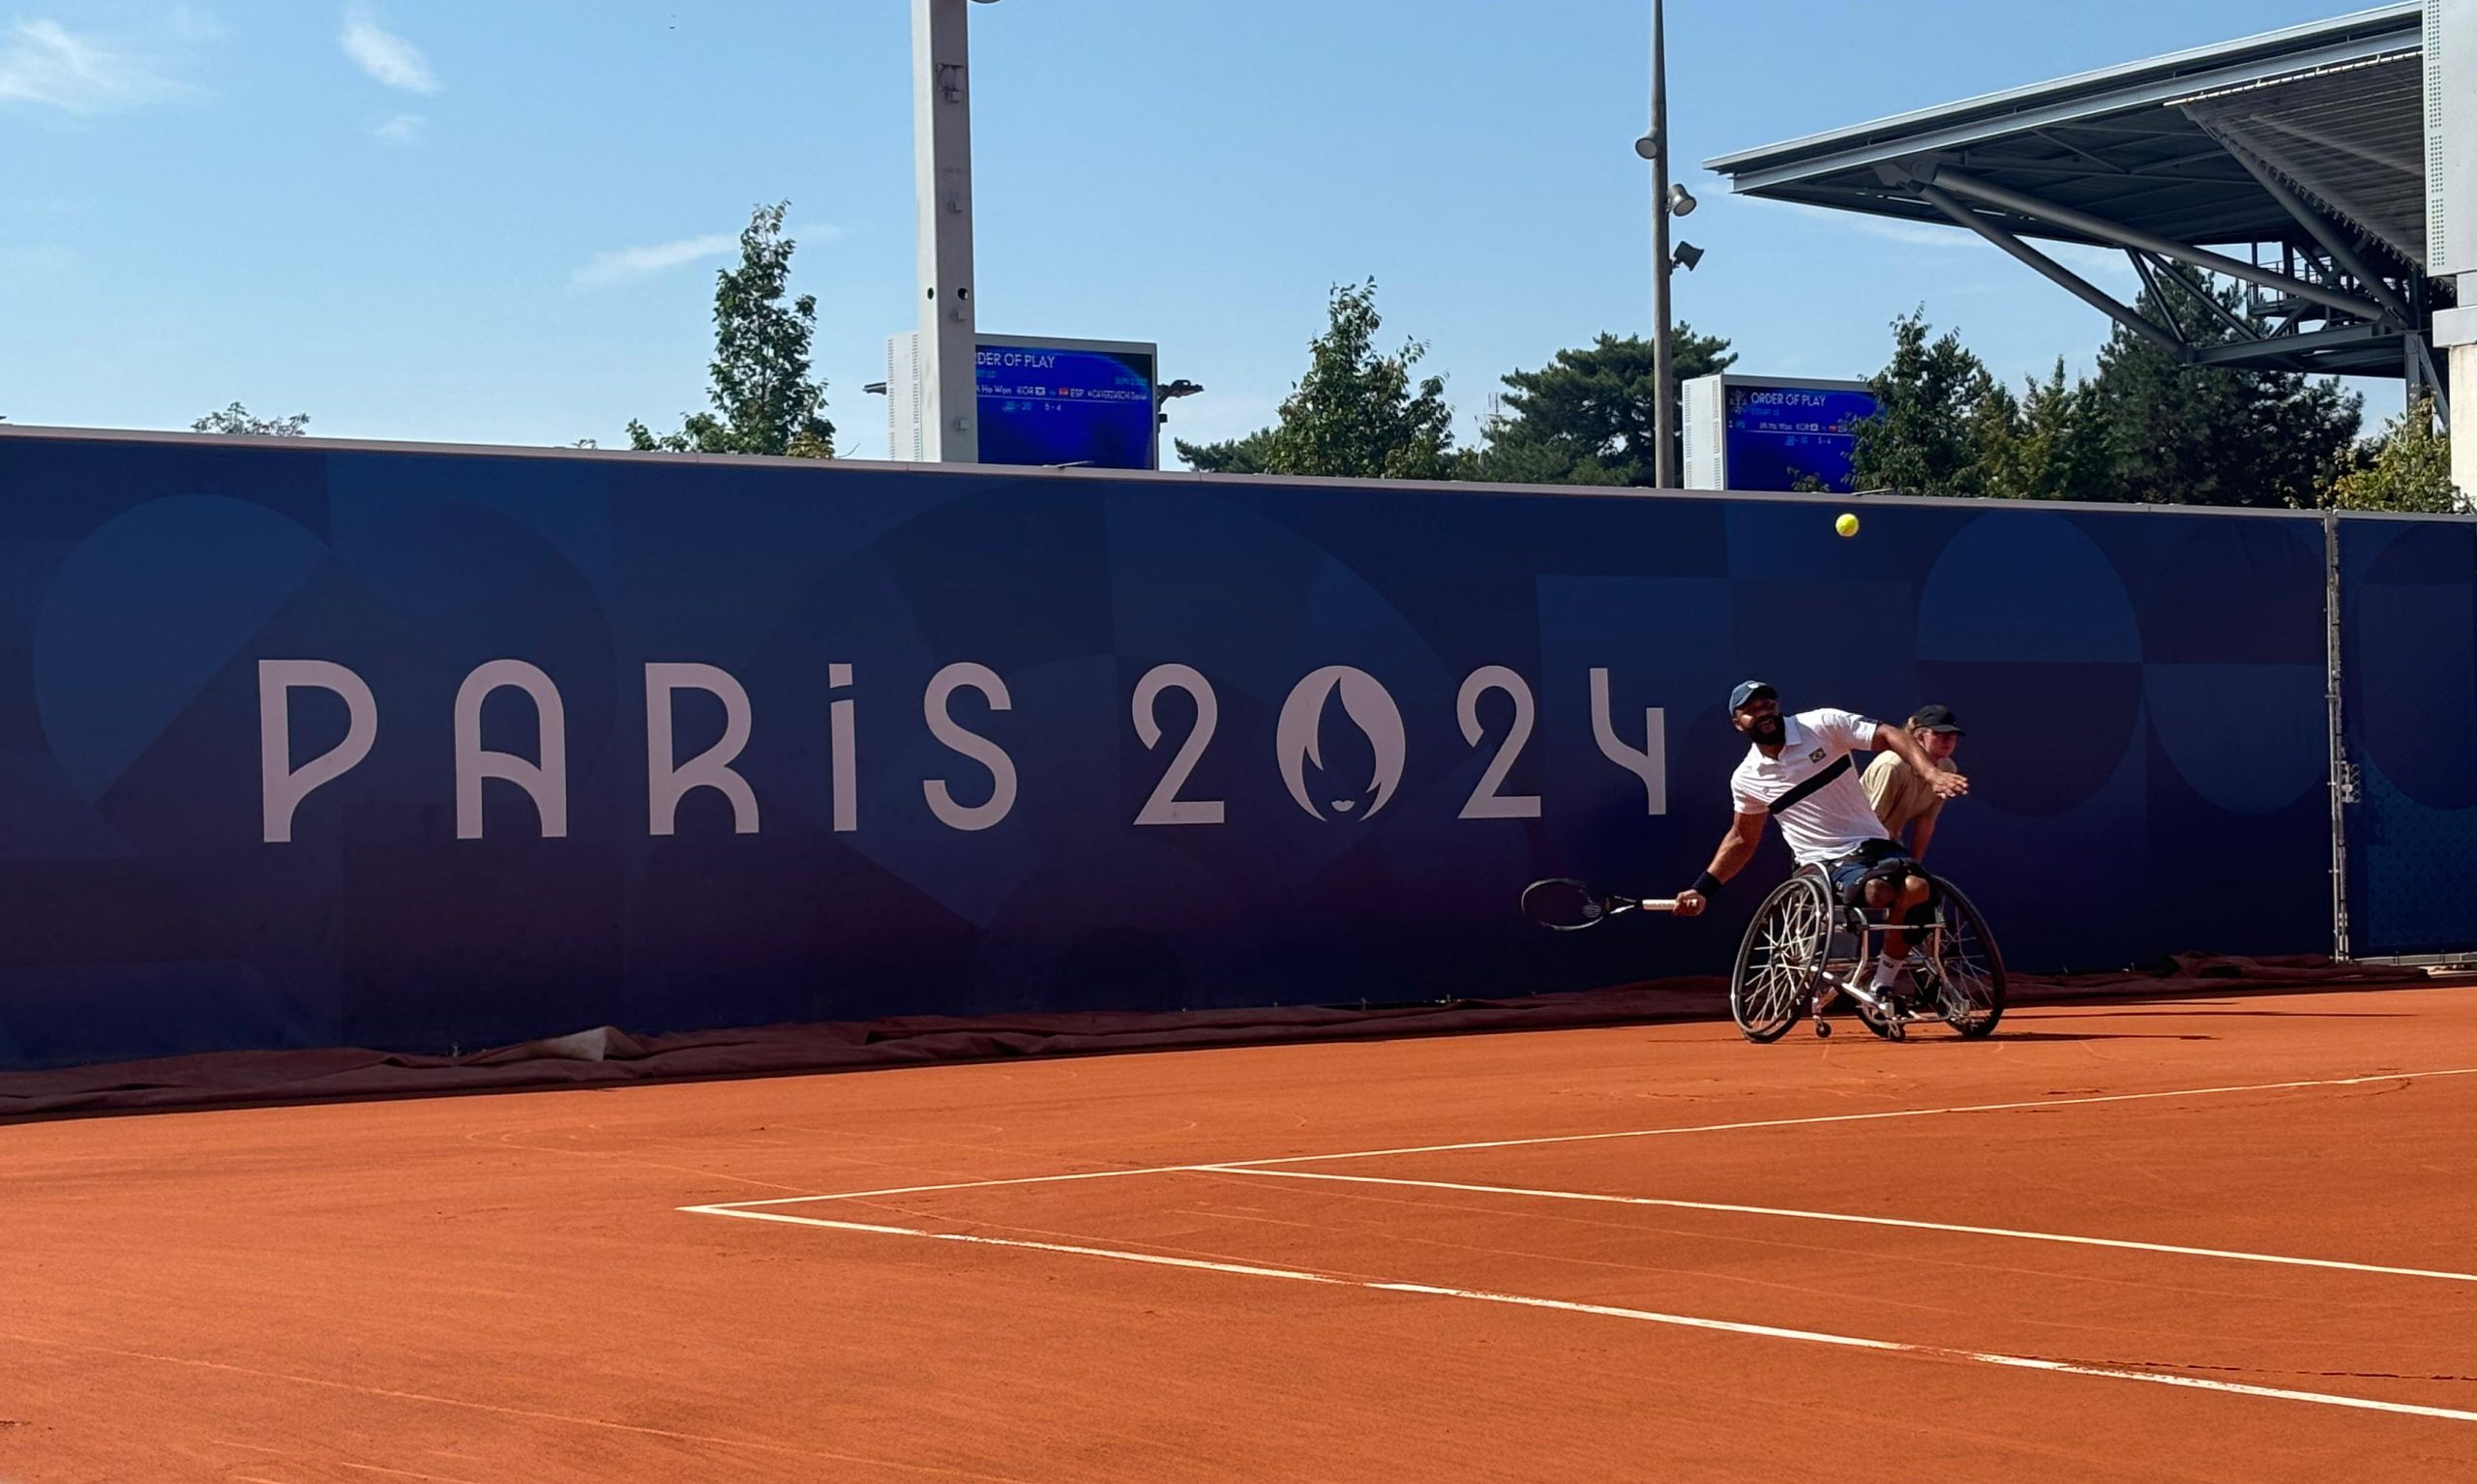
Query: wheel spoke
{"points": [[1777, 966], [1971, 992]]}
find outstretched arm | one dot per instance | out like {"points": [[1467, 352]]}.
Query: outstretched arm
{"points": [[1737, 847], [1897, 740]]}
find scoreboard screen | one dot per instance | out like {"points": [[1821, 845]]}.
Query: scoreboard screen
{"points": [[1777, 436], [1063, 402]]}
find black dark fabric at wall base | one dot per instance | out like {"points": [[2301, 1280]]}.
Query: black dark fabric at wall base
{"points": [[605, 1054]]}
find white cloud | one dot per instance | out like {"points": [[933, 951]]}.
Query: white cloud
{"points": [[45, 63], [1915, 234], [402, 129], [388, 58], [2101, 264], [624, 263]]}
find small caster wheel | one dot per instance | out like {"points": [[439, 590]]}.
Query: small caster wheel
{"points": [[1823, 1031]]}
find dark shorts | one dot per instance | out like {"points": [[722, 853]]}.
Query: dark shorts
{"points": [[1875, 860]]}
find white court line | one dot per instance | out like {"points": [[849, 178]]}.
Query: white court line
{"points": [[1608, 1311], [1640, 1132], [1864, 1221]]}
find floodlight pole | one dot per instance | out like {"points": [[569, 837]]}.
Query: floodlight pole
{"points": [[1663, 371], [941, 155]]}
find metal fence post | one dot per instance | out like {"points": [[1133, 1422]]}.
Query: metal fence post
{"points": [[2344, 775]]}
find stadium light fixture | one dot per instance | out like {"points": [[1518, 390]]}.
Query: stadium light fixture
{"points": [[1687, 256]]}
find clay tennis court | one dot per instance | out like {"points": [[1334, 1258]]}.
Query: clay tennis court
{"points": [[2205, 1239]]}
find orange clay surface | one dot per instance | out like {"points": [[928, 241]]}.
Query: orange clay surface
{"points": [[508, 1287]]}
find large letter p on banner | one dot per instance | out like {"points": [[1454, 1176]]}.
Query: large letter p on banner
{"points": [[282, 787]]}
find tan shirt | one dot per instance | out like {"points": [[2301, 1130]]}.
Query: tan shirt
{"points": [[1900, 794]]}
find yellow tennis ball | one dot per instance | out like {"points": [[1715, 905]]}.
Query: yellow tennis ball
{"points": [[1847, 525]]}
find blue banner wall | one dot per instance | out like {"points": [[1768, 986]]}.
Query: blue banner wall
{"points": [[982, 743], [2408, 663]]}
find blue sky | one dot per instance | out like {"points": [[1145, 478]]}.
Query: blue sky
{"points": [[499, 222]]}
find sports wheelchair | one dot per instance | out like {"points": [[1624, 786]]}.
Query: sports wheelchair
{"points": [[1805, 947]]}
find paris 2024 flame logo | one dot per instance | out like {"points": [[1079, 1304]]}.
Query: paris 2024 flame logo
{"points": [[1334, 792]]}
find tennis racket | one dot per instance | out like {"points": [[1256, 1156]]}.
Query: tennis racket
{"points": [[1570, 905]]}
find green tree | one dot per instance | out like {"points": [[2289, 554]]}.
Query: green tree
{"points": [[2214, 436], [1250, 455], [236, 419], [1943, 422], [2408, 468], [765, 401], [2045, 445], [1586, 417], [1357, 414], [2149, 427]]}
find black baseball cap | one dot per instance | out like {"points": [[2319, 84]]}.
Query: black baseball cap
{"points": [[1937, 718], [1748, 690]]}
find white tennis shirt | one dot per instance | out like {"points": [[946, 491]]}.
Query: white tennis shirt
{"points": [[1835, 819]]}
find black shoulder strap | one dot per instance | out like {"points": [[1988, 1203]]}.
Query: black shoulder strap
{"points": [[1798, 794]]}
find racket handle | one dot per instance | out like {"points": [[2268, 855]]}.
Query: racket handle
{"points": [[1658, 905]]}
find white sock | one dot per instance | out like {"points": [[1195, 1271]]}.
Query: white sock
{"points": [[1887, 969]]}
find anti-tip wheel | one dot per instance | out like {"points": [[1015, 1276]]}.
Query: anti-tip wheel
{"points": [[1823, 1029]]}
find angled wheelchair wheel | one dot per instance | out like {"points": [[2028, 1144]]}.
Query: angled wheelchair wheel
{"points": [[1781, 958], [1967, 966]]}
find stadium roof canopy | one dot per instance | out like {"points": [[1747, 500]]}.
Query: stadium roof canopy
{"points": [[2293, 163]]}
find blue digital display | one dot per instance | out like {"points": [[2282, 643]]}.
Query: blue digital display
{"points": [[1780, 435], [1051, 404]]}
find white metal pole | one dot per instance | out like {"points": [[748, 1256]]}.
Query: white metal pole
{"points": [[941, 151], [2461, 366], [2450, 217]]}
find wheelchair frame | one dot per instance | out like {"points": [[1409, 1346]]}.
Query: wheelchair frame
{"points": [[1805, 948]]}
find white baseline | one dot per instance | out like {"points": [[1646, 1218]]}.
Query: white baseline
{"points": [[1610, 1311]]}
